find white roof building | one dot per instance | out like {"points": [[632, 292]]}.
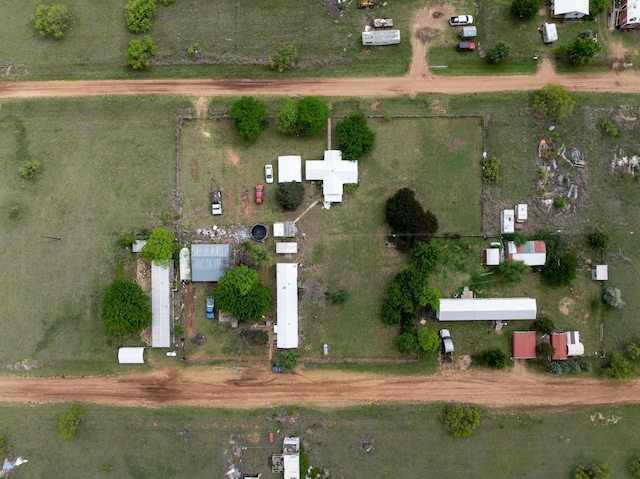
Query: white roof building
{"points": [[507, 221], [486, 309], [574, 346], [286, 229], [492, 256], [291, 457], [185, 265], [570, 9], [131, 355], [138, 245], [290, 247], [600, 272], [160, 306], [334, 173], [287, 306], [289, 169]]}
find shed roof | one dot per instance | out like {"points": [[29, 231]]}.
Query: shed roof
{"points": [[559, 343], [562, 7], [600, 272], [524, 344], [507, 224], [486, 309], [185, 264], [289, 169], [574, 346], [286, 229], [381, 37], [532, 253], [131, 355], [290, 247], [209, 262], [160, 306], [287, 305], [138, 245], [491, 256], [334, 173]]}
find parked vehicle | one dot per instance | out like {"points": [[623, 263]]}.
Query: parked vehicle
{"points": [[216, 203], [268, 173], [259, 189], [277, 369], [446, 345], [466, 46], [171, 354], [460, 20], [211, 313]]}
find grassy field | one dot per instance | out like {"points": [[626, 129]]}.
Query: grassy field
{"points": [[107, 167], [199, 443], [235, 39]]}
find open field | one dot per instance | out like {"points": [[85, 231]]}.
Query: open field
{"points": [[107, 168], [198, 443]]}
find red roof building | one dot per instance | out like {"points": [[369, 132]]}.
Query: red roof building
{"points": [[559, 343], [524, 345]]}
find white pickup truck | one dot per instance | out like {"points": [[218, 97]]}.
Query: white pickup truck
{"points": [[216, 203]]}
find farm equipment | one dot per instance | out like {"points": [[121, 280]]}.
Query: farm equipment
{"points": [[369, 4], [383, 22]]}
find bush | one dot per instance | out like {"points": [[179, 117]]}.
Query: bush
{"points": [[285, 58], [596, 7], [544, 325], [2, 445], [618, 367], [312, 115], [498, 52], [427, 256], [290, 195], [339, 296], [525, 8], [460, 421], [512, 271], [355, 137], [261, 337], [559, 204], [634, 467], [69, 422], [30, 169], [593, 471], [249, 117], [51, 20], [408, 343], [494, 358], [633, 351], [554, 102], [287, 360], [611, 296], [139, 15], [139, 53], [599, 240], [491, 169], [545, 350], [428, 340], [287, 117]]}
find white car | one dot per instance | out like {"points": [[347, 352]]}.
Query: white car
{"points": [[460, 20], [171, 353], [268, 173]]}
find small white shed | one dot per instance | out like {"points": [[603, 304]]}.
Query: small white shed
{"points": [[138, 245], [507, 221], [185, 265], [131, 355], [289, 169], [290, 247], [521, 213], [549, 33], [600, 272]]}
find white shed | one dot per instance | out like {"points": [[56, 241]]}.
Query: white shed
{"points": [[286, 229], [491, 256], [290, 247], [600, 272], [289, 169], [507, 221], [521, 213], [549, 33], [486, 309], [574, 346], [138, 245], [131, 355], [185, 265], [287, 305]]}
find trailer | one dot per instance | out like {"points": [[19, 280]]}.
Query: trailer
{"points": [[380, 37]]}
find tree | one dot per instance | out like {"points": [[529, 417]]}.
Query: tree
{"points": [[460, 421], [240, 293], [494, 358], [139, 53], [69, 422], [511, 271], [255, 254], [139, 15], [582, 50], [544, 325], [287, 360], [355, 137], [633, 350], [599, 240], [634, 467], [125, 308], [593, 471], [545, 350], [159, 247], [51, 20], [249, 117], [498, 52], [619, 368], [560, 270], [596, 7], [285, 58], [289, 195], [428, 340], [30, 169], [553, 101], [407, 218], [287, 117], [312, 115], [408, 343], [525, 8], [611, 296], [491, 169], [427, 255], [261, 337]]}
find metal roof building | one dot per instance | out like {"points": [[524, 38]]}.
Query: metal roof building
{"points": [[289, 169], [160, 306], [524, 345], [334, 173], [291, 456], [532, 253], [209, 262], [559, 343], [381, 37], [486, 309], [287, 305], [131, 355]]}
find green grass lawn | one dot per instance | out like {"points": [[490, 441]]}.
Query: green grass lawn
{"points": [[107, 167], [200, 443]]}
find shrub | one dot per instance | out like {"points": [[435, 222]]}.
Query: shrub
{"points": [[1, 447], [556, 368], [427, 256], [287, 117], [290, 195], [193, 49], [634, 467], [249, 117], [494, 358], [491, 169], [544, 325], [553, 101], [69, 422], [545, 350], [593, 471], [312, 115], [51, 20], [408, 343], [355, 137], [618, 367], [512, 271], [611, 296], [559, 204], [339, 296], [599, 240], [633, 351], [498, 52], [30, 169], [285, 58], [139, 53], [261, 337], [596, 7], [178, 330], [460, 421], [287, 360], [525, 8], [139, 15], [428, 340]]}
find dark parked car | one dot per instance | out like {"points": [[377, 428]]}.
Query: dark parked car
{"points": [[466, 46]]}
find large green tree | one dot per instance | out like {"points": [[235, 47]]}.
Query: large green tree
{"points": [[312, 115], [428, 340], [290, 194], [512, 271], [427, 255], [525, 8], [51, 20], [249, 117], [159, 247], [596, 7], [498, 52], [582, 50], [408, 220], [553, 101], [240, 293], [560, 270], [139, 15], [139, 53], [287, 117], [125, 308], [355, 137], [408, 343]]}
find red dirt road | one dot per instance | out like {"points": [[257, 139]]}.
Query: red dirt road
{"points": [[255, 387]]}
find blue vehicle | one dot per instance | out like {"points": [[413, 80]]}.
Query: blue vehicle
{"points": [[211, 314]]}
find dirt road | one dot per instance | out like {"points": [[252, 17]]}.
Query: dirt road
{"points": [[255, 387]]}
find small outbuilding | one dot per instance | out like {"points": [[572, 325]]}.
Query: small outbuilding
{"points": [[524, 345], [549, 33], [491, 256], [290, 247], [209, 262], [574, 346], [507, 221], [185, 265], [600, 272], [289, 169], [570, 9], [380, 37], [131, 355], [532, 253], [559, 343], [469, 32], [286, 229], [138, 245]]}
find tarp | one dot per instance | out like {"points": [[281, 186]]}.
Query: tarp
{"points": [[131, 355]]}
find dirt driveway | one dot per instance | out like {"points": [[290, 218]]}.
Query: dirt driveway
{"points": [[255, 387]]}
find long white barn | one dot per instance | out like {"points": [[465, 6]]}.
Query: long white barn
{"points": [[486, 309]]}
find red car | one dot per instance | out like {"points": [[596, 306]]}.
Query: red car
{"points": [[258, 194]]}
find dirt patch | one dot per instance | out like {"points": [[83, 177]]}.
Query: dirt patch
{"points": [[604, 420], [464, 361], [245, 203], [143, 274], [424, 34], [313, 292], [201, 106], [194, 169], [232, 157], [436, 108], [427, 24], [564, 305], [375, 106], [189, 299]]}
